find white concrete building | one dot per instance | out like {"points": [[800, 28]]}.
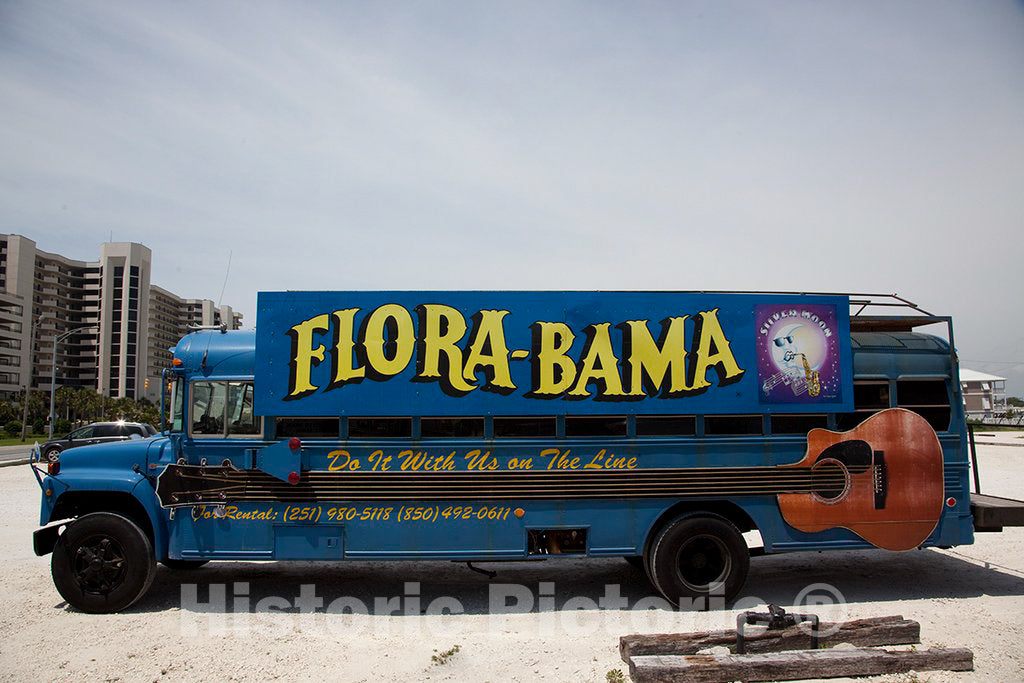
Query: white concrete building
{"points": [[984, 394], [134, 322]]}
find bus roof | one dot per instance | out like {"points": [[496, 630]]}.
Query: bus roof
{"points": [[216, 353]]}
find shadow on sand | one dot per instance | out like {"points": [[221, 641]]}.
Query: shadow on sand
{"points": [[860, 576]]}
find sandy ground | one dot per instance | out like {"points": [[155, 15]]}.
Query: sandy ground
{"points": [[971, 596]]}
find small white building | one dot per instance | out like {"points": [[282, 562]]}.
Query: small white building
{"points": [[984, 394]]}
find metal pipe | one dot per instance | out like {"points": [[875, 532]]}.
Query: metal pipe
{"points": [[53, 385], [974, 458]]}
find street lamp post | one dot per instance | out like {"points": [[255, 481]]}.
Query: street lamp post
{"points": [[57, 339], [31, 355]]}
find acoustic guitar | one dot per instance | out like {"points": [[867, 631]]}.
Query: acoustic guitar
{"points": [[887, 481]]}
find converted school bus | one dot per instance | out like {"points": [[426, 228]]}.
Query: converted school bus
{"points": [[489, 426]]}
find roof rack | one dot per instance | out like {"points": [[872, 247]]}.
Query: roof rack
{"points": [[909, 315], [860, 303]]}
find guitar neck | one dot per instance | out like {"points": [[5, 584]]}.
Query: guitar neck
{"points": [[181, 485]]}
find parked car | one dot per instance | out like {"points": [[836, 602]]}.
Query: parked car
{"points": [[97, 432]]}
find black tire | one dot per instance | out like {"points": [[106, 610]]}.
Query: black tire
{"points": [[698, 557], [52, 453], [183, 565], [102, 563]]}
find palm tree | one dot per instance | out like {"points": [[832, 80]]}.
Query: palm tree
{"points": [[64, 400]]}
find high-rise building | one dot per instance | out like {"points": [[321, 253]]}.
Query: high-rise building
{"points": [[128, 323]]}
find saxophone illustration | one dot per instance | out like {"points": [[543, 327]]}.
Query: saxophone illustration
{"points": [[810, 382], [813, 378]]}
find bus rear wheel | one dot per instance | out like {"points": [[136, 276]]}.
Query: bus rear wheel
{"points": [[102, 563], [699, 557]]}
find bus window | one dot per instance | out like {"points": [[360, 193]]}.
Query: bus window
{"points": [[666, 425], [926, 397], [178, 405], [727, 425], [797, 424], [512, 427], [307, 427], [380, 427], [595, 426], [240, 420], [869, 396], [208, 401], [451, 427]]}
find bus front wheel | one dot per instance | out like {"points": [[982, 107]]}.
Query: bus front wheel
{"points": [[102, 563], [697, 558]]}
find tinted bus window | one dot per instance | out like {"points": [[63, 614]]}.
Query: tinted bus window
{"points": [[722, 425], [797, 424], [926, 397], [869, 397], [380, 427], [666, 425], [307, 427], [873, 395], [595, 426], [922, 392], [511, 427], [451, 427]]}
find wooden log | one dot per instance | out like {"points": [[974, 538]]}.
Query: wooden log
{"points": [[789, 666], [891, 630]]}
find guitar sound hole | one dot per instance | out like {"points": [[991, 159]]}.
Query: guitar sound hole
{"points": [[829, 479]]}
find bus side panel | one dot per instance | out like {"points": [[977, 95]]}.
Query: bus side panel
{"points": [[464, 530]]}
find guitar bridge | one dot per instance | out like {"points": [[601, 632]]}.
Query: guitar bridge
{"points": [[880, 479]]}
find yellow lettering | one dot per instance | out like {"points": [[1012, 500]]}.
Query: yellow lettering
{"points": [[712, 336], [304, 355], [489, 334], [379, 462], [478, 460], [441, 328], [646, 359], [344, 345], [520, 464], [389, 325], [553, 370], [343, 460], [599, 364]]}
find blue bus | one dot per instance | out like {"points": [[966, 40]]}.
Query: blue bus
{"points": [[494, 426]]}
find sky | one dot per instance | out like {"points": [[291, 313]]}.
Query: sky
{"points": [[807, 146]]}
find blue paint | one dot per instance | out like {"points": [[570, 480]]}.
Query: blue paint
{"points": [[408, 393]]}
